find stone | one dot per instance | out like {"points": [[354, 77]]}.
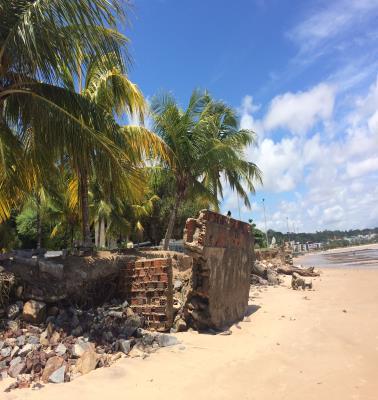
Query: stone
{"points": [[129, 312], [16, 369], [21, 340], [34, 311], [26, 349], [132, 324], [14, 351], [180, 325], [177, 284], [33, 339], [53, 269], [58, 375], [5, 352], [54, 339], [1, 344], [165, 340], [115, 314], [80, 347], [148, 339], [87, 362], [124, 346], [15, 361], [13, 325], [75, 322], [60, 349], [52, 364], [12, 311], [44, 338], [3, 375]]}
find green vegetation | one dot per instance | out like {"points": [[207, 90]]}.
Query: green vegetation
{"points": [[70, 171]]}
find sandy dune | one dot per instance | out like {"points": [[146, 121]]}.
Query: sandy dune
{"points": [[296, 345]]}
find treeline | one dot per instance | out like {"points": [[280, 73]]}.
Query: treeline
{"points": [[320, 236]]}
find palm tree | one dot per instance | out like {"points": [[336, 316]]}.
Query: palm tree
{"points": [[182, 133], [225, 153], [37, 39]]}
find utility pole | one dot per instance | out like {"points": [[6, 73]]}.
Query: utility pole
{"points": [[266, 231], [287, 222]]}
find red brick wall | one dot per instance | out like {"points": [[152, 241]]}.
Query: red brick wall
{"points": [[147, 286]]}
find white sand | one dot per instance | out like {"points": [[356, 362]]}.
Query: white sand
{"points": [[292, 348]]}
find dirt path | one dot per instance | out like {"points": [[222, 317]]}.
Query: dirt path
{"points": [[292, 348]]}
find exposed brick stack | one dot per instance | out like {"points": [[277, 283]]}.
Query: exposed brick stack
{"points": [[147, 286]]}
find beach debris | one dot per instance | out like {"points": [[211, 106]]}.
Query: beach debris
{"points": [[48, 352]]}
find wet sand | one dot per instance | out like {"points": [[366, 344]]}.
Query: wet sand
{"points": [[354, 256], [295, 345]]}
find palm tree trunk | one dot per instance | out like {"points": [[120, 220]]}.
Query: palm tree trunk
{"points": [[86, 228], [39, 223], [171, 223]]}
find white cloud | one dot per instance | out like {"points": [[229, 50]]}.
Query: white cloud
{"points": [[315, 34], [336, 175], [298, 112]]}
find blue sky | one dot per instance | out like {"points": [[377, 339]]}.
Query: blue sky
{"points": [[303, 76]]}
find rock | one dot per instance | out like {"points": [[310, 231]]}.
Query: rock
{"points": [[1, 344], [52, 364], [5, 352], [33, 339], [44, 338], [58, 375], [13, 325], [75, 322], [87, 362], [15, 369], [14, 351], [26, 349], [177, 284], [61, 349], [54, 339], [129, 312], [165, 340], [80, 347], [53, 269], [115, 314], [124, 346], [3, 375], [15, 361], [180, 325], [21, 340], [226, 333], [12, 311], [132, 324], [34, 311], [148, 339]]}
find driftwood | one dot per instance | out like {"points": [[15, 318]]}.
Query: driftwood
{"points": [[289, 270]]}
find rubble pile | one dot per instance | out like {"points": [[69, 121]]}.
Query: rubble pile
{"points": [[267, 272], [41, 344]]}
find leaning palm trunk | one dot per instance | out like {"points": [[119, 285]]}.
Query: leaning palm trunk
{"points": [[171, 224], [83, 187], [39, 224]]}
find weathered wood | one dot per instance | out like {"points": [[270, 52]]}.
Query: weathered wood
{"points": [[289, 270]]}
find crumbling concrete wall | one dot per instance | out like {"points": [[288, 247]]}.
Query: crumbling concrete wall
{"points": [[222, 251], [148, 287]]}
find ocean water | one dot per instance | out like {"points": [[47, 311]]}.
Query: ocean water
{"points": [[353, 257]]}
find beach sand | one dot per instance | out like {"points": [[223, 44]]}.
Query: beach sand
{"points": [[320, 344]]}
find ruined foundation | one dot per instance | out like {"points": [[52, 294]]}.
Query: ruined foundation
{"points": [[147, 286], [222, 252]]}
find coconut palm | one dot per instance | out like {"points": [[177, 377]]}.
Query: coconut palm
{"points": [[182, 133], [40, 42], [36, 41], [225, 154]]}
